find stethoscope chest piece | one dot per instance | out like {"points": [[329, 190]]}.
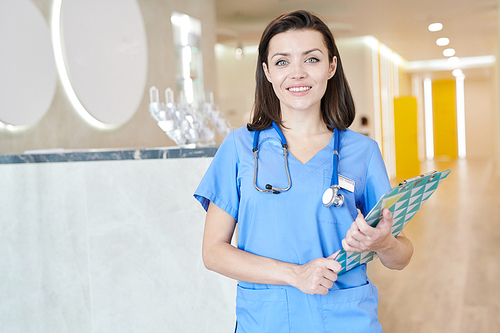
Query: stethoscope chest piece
{"points": [[331, 197]]}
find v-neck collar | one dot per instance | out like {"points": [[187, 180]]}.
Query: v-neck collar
{"points": [[323, 156]]}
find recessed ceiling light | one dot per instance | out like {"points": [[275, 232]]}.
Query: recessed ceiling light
{"points": [[449, 52], [457, 72], [435, 27], [442, 41]]}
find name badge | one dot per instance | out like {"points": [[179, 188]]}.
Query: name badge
{"points": [[346, 183]]}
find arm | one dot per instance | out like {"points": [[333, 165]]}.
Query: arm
{"points": [[315, 277], [394, 252]]}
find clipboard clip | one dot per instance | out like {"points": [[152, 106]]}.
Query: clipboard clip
{"points": [[409, 180]]}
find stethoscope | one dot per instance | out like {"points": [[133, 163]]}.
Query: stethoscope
{"points": [[331, 197]]}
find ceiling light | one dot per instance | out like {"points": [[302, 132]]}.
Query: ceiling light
{"points": [[442, 41], [453, 60], [457, 72], [239, 51], [449, 52], [435, 27]]}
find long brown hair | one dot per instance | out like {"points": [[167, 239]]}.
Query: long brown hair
{"points": [[337, 105]]}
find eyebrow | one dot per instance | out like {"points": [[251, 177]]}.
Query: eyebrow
{"points": [[288, 54]]}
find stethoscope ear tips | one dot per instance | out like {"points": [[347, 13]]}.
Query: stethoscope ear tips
{"points": [[331, 197]]}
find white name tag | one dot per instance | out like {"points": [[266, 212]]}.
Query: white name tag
{"points": [[346, 183]]}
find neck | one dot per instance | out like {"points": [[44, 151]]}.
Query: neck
{"points": [[303, 122]]}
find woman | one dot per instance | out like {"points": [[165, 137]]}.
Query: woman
{"points": [[287, 238]]}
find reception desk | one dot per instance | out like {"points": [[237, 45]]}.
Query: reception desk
{"points": [[107, 241]]}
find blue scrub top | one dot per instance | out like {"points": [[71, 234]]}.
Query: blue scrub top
{"points": [[295, 227]]}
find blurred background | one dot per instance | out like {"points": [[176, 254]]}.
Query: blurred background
{"points": [[115, 246], [424, 74]]}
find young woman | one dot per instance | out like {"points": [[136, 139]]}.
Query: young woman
{"points": [[269, 178]]}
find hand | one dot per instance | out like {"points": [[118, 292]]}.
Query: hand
{"points": [[362, 237], [318, 275]]}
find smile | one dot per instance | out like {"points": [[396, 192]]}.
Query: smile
{"points": [[298, 89]]}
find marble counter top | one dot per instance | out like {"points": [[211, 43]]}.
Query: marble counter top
{"points": [[62, 155]]}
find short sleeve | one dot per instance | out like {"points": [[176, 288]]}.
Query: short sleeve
{"points": [[219, 184], [376, 182]]}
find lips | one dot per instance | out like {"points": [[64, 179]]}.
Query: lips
{"points": [[298, 89]]}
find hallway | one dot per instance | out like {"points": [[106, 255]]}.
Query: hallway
{"points": [[451, 284]]}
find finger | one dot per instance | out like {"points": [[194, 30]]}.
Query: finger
{"points": [[363, 227], [331, 276], [349, 248], [321, 290], [333, 265], [356, 234], [327, 283], [317, 289]]}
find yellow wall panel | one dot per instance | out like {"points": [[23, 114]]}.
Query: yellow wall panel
{"points": [[406, 137], [445, 119]]}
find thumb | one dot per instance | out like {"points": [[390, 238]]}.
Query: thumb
{"points": [[333, 256], [386, 220]]}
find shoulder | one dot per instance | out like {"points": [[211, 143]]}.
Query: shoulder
{"points": [[349, 138], [242, 132], [360, 150], [241, 136], [237, 140]]}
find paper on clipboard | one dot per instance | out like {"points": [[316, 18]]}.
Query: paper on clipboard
{"points": [[403, 202]]}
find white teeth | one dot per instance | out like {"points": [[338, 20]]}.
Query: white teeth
{"points": [[297, 89]]}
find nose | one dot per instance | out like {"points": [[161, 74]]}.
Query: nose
{"points": [[297, 71]]}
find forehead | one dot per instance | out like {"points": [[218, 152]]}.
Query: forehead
{"points": [[293, 41]]}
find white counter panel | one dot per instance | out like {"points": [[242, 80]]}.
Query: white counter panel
{"points": [[107, 246]]}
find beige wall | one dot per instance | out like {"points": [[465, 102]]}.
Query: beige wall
{"points": [[236, 83], [62, 127], [480, 117], [236, 80], [357, 61]]}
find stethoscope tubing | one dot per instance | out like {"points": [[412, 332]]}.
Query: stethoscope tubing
{"points": [[331, 196], [255, 149], [335, 173]]}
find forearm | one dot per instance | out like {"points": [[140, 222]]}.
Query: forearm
{"points": [[240, 265], [397, 254], [219, 255]]}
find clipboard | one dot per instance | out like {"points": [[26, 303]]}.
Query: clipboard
{"points": [[403, 202]]}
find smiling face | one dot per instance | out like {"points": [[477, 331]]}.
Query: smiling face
{"points": [[299, 69]]}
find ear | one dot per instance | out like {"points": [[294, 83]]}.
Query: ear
{"points": [[266, 71], [333, 68]]}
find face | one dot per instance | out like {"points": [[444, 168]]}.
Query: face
{"points": [[298, 69]]}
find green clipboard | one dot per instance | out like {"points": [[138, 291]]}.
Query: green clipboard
{"points": [[403, 202]]}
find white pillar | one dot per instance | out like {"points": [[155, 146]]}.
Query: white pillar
{"points": [[497, 99]]}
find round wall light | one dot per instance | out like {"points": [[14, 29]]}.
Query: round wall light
{"points": [[101, 55], [28, 72]]}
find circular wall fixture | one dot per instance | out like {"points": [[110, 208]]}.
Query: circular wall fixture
{"points": [[27, 68], [105, 56]]}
